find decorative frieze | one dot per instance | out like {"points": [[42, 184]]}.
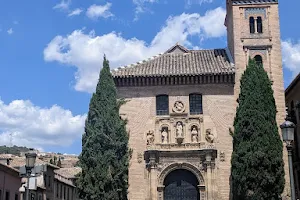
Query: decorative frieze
{"points": [[255, 11]]}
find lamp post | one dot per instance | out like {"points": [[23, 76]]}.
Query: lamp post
{"points": [[30, 162], [287, 129]]}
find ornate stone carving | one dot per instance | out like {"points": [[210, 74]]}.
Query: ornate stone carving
{"points": [[201, 167], [179, 129], [164, 135], [180, 165], [182, 146], [139, 157], [194, 134], [222, 156], [179, 132], [150, 138], [178, 107], [209, 136]]}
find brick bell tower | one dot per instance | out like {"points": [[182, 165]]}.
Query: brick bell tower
{"points": [[253, 31]]}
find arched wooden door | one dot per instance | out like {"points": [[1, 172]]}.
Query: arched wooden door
{"points": [[181, 184]]}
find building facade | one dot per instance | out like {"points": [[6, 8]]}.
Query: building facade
{"points": [[180, 107], [292, 99], [50, 183], [10, 183]]}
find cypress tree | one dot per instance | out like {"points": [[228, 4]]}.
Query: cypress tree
{"points": [[59, 162], [257, 171], [104, 156]]}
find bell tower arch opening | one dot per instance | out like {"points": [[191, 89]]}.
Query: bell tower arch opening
{"points": [[258, 59]]}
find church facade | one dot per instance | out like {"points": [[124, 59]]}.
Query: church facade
{"points": [[180, 107]]}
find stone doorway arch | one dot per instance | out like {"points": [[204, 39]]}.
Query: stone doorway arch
{"points": [[188, 175]]}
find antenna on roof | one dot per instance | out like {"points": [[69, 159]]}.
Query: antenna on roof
{"points": [[10, 139]]}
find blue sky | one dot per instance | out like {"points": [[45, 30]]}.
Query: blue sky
{"points": [[51, 53]]}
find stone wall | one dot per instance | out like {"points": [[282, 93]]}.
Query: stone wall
{"points": [[267, 45], [140, 110]]}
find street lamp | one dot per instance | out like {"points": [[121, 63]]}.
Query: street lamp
{"points": [[30, 162], [287, 129]]}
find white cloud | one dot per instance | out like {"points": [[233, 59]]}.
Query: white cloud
{"points": [[188, 3], [291, 56], [63, 5], [10, 31], [96, 11], [32, 126], [141, 6], [77, 11], [85, 51]]}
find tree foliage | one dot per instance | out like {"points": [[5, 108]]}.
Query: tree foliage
{"points": [[257, 171], [15, 150], [105, 154], [59, 163]]}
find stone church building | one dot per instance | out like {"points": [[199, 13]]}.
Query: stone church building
{"points": [[181, 106]]}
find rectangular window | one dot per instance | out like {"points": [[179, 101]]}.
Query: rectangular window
{"points": [[49, 181], [45, 180], [7, 195], [251, 25], [71, 194], [196, 104], [61, 190], [259, 25], [57, 187], [64, 192], [298, 109], [162, 105]]}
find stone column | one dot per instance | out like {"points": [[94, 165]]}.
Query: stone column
{"points": [[255, 25], [210, 166], [153, 177], [160, 190], [202, 192], [208, 176]]}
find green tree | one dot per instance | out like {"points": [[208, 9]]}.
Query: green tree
{"points": [[59, 163], [257, 171], [54, 161], [105, 155]]}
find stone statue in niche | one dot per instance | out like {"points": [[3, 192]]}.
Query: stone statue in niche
{"points": [[164, 135], [179, 129], [209, 136], [178, 107], [150, 138], [194, 134]]}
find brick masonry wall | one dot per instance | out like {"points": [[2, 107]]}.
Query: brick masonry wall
{"points": [[272, 59], [218, 114]]}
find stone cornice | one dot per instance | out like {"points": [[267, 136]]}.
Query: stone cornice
{"points": [[175, 80]]}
